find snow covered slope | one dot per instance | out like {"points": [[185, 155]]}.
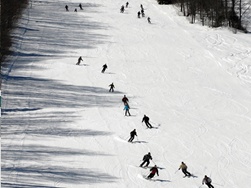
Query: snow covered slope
{"points": [[62, 128]]}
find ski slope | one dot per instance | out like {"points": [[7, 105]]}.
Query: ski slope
{"points": [[62, 128]]}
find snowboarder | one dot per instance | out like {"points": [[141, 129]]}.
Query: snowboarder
{"points": [[153, 171], [142, 13], [207, 181], [146, 120], [79, 60], [125, 100], [139, 14], [104, 68], [126, 108], [111, 87], [80, 6], [183, 167], [127, 4], [122, 9], [146, 159], [132, 134], [149, 20], [66, 8]]}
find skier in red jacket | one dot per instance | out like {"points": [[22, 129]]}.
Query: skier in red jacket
{"points": [[154, 170]]}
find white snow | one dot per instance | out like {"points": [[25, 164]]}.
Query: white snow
{"points": [[62, 128]]}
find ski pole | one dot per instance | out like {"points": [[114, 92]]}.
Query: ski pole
{"points": [[153, 162], [176, 171]]}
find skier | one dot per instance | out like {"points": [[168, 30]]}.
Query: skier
{"points": [[153, 170], [146, 120], [75, 10], [66, 8], [111, 87], [127, 4], [149, 20], [80, 6], [125, 100], [207, 181], [142, 13], [79, 60], [104, 68], [146, 159], [141, 6], [122, 9], [132, 134], [126, 108], [183, 167], [139, 14]]}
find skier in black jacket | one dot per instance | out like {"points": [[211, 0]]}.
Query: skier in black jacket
{"points": [[104, 68], [79, 60], [80, 6], [66, 8], [207, 181], [111, 87], [146, 120], [146, 159], [132, 134], [125, 100]]}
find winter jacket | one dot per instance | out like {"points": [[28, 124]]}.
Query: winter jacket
{"points": [[147, 157], [133, 133], [206, 180], [145, 119], [183, 166], [125, 99], [154, 170]]}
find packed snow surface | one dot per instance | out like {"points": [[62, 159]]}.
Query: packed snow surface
{"points": [[61, 127]]}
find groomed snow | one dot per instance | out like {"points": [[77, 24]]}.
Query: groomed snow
{"points": [[62, 128]]}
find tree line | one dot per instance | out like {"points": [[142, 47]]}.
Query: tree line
{"points": [[11, 10], [214, 13]]}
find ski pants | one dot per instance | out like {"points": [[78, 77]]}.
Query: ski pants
{"points": [[127, 111], [131, 139], [148, 124], [186, 172], [150, 175], [146, 161]]}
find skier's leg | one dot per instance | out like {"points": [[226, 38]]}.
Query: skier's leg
{"points": [[150, 176], [132, 138], [142, 163], [188, 173], [147, 163], [150, 125], [184, 172], [211, 185]]}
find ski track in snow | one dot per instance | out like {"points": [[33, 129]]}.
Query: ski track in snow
{"points": [[62, 128]]}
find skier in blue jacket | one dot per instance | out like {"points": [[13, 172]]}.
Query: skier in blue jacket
{"points": [[126, 108]]}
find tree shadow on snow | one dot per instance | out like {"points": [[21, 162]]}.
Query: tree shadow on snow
{"points": [[41, 109]]}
